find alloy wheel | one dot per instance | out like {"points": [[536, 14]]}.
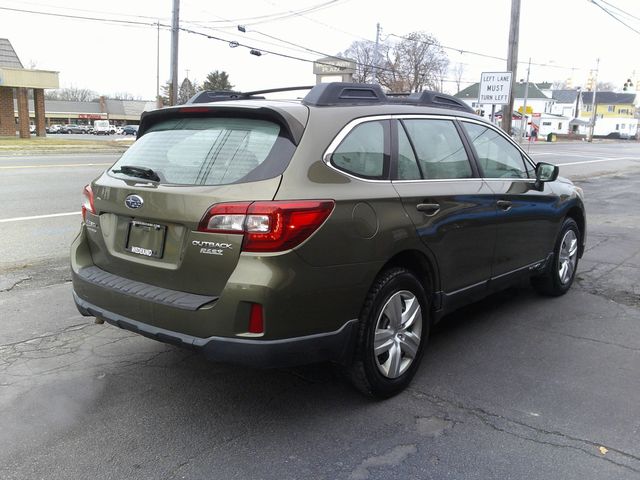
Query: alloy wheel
{"points": [[398, 334], [568, 257]]}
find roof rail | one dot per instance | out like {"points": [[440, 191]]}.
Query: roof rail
{"points": [[224, 95], [432, 99], [344, 93]]}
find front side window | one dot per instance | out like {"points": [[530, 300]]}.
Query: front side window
{"points": [[440, 151], [209, 151], [363, 151], [497, 157]]}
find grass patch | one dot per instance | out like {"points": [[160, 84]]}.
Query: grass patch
{"points": [[49, 144]]}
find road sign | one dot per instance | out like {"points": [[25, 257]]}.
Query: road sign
{"points": [[495, 88]]}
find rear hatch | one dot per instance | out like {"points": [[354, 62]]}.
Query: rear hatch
{"points": [[142, 220]]}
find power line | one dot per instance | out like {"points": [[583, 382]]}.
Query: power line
{"points": [[608, 12], [157, 24], [154, 18], [620, 10], [253, 48], [80, 17], [300, 13], [479, 54], [272, 17]]}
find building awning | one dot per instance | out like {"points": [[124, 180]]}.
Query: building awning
{"points": [[20, 77]]}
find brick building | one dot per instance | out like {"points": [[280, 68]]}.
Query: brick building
{"points": [[15, 81]]}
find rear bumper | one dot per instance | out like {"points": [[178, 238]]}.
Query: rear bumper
{"points": [[331, 346]]}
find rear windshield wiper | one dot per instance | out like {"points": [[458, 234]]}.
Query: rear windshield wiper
{"points": [[139, 172]]}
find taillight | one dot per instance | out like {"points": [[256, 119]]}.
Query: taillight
{"points": [[268, 226], [87, 202]]}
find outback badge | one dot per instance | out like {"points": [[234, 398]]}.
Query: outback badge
{"points": [[133, 201]]}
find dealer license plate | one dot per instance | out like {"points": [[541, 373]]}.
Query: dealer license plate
{"points": [[146, 239]]}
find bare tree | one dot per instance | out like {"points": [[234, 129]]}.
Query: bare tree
{"points": [[416, 63], [458, 73], [606, 87], [560, 85], [71, 93], [362, 53], [123, 96]]}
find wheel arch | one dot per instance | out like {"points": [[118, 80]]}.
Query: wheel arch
{"points": [[422, 267], [577, 214]]}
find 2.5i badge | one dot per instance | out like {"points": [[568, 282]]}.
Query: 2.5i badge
{"points": [[146, 239]]}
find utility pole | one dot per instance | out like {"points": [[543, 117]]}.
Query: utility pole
{"points": [[375, 54], [158, 100], [512, 62], [594, 105], [175, 25], [523, 121]]}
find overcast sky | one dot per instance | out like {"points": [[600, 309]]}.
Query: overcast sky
{"points": [[566, 35]]}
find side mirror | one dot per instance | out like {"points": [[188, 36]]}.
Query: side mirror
{"points": [[545, 172]]}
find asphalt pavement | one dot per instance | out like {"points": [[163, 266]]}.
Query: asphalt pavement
{"points": [[516, 386]]}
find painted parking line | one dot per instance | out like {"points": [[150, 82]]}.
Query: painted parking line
{"points": [[577, 154], [38, 217], [612, 159], [62, 165]]}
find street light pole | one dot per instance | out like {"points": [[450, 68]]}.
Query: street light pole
{"points": [[175, 25], [158, 101], [594, 105]]}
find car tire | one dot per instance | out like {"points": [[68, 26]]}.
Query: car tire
{"points": [[391, 335], [561, 271]]}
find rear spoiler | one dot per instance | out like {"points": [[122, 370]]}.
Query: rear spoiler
{"points": [[293, 127]]}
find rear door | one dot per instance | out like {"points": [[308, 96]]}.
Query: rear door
{"points": [[149, 203], [451, 207]]}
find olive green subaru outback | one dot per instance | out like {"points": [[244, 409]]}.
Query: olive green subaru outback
{"points": [[338, 228]]}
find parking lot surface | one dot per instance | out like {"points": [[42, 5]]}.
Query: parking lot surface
{"points": [[516, 386]]}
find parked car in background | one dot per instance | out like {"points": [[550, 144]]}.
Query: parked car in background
{"points": [[69, 128], [55, 128], [340, 227], [32, 128], [119, 130], [101, 127], [130, 130]]}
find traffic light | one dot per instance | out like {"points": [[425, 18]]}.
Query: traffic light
{"points": [[590, 84], [628, 84]]}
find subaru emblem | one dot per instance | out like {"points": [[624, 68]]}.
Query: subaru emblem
{"points": [[133, 201]]}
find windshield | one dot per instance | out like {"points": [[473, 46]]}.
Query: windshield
{"points": [[206, 151]]}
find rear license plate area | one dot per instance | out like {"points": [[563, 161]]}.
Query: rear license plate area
{"points": [[146, 239]]}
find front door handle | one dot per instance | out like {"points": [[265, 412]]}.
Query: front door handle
{"points": [[429, 209], [504, 205]]}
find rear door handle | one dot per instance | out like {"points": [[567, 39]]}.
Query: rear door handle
{"points": [[429, 209], [504, 205]]}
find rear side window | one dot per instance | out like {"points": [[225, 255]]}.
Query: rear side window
{"points": [[497, 157], [439, 149], [364, 151], [211, 151]]}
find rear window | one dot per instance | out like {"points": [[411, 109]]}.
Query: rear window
{"points": [[210, 151]]}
